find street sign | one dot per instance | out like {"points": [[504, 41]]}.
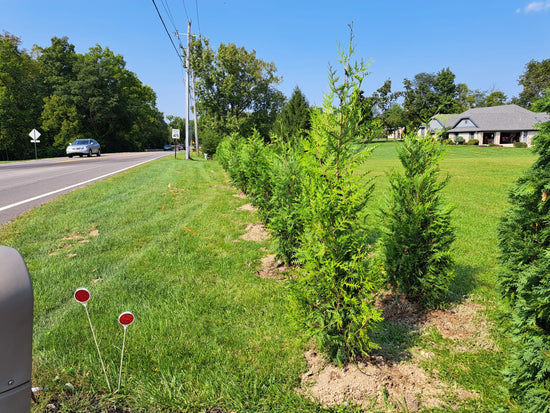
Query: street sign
{"points": [[175, 133], [35, 141], [34, 134]]}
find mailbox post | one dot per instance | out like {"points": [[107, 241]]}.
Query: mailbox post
{"points": [[16, 312]]}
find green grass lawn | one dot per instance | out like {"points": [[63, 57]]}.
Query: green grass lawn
{"points": [[162, 241]]}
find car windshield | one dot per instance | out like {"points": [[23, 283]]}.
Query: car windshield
{"points": [[81, 142]]}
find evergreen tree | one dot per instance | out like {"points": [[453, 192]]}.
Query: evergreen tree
{"points": [[294, 118], [417, 225], [524, 241], [333, 294]]}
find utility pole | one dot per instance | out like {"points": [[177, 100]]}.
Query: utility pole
{"points": [[187, 89]]}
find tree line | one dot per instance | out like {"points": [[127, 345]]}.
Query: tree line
{"points": [[68, 95], [237, 93]]}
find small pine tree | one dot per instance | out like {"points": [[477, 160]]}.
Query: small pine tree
{"points": [[524, 276], [417, 231], [294, 120]]}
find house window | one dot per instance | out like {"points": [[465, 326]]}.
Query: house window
{"points": [[488, 138], [509, 137], [472, 136]]}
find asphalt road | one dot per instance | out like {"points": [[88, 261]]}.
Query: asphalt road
{"points": [[25, 185]]}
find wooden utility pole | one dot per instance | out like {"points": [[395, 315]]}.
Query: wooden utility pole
{"points": [[187, 89]]}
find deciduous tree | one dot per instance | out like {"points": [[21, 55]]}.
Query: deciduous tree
{"points": [[235, 90], [534, 80]]}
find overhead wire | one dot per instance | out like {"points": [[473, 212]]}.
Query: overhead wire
{"points": [[169, 13], [185, 8], [168, 33], [198, 21]]}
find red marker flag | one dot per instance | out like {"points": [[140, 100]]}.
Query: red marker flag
{"points": [[82, 295], [126, 318]]}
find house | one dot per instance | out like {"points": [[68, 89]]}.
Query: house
{"points": [[499, 125]]}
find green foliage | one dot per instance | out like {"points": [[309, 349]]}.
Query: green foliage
{"points": [[417, 231], [271, 176], [19, 99], [332, 295], [473, 142], [68, 96], [428, 94], [459, 140], [524, 241], [535, 80], [235, 90], [286, 221], [295, 117]]}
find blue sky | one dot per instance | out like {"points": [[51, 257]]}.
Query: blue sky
{"points": [[486, 43]]}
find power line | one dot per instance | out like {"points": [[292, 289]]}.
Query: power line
{"points": [[198, 21], [185, 8], [168, 33], [169, 13]]}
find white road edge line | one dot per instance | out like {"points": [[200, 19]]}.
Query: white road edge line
{"points": [[73, 186]]}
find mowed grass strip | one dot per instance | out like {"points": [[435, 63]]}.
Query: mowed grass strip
{"points": [[161, 241]]}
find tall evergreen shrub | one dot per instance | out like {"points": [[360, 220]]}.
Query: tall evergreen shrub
{"points": [[524, 241], [332, 295], [417, 231], [286, 221]]}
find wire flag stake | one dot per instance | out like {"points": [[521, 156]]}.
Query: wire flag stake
{"points": [[125, 319], [82, 295]]}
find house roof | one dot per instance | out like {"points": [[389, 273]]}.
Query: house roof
{"points": [[499, 118], [446, 120]]}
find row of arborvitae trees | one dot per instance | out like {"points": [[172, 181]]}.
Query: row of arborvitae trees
{"points": [[524, 240], [314, 198]]}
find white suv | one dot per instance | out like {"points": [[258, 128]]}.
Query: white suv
{"points": [[83, 147]]}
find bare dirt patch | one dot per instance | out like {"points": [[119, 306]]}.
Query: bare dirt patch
{"points": [[255, 232], [68, 242], [247, 207], [399, 382], [462, 322], [270, 267], [240, 195], [375, 383]]}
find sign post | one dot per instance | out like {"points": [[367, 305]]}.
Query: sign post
{"points": [[175, 136], [34, 134]]}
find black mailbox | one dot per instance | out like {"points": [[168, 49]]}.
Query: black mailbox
{"points": [[16, 311]]}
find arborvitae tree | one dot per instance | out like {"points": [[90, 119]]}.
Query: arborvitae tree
{"points": [[332, 295], [417, 231], [524, 241], [295, 117]]}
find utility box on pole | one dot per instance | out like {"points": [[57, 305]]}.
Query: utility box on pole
{"points": [[16, 312]]}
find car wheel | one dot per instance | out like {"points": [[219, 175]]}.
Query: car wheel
{"points": [[99, 152], [70, 156], [80, 155], [90, 153]]}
